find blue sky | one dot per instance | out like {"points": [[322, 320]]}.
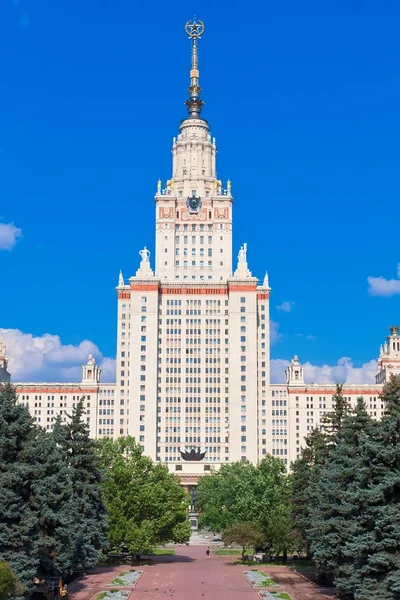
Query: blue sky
{"points": [[303, 99]]}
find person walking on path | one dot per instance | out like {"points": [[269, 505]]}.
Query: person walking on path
{"points": [[208, 552]]}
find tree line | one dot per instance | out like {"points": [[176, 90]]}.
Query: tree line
{"points": [[346, 497], [66, 499], [340, 505]]}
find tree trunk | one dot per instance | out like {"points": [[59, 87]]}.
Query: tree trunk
{"points": [[243, 553], [285, 556]]}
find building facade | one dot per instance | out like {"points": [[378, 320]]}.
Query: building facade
{"points": [[193, 347]]}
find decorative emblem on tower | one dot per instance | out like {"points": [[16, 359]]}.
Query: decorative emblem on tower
{"points": [[194, 204], [194, 104], [195, 29]]}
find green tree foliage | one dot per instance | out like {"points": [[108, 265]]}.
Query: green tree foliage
{"points": [[146, 505], [244, 493], [333, 421], [89, 529], [308, 468], [331, 519], [372, 549], [304, 469], [51, 515], [244, 535], [50, 501], [352, 494], [9, 584], [18, 521]]}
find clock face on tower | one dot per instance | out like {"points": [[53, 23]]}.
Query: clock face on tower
{"points": [[194, 204]]}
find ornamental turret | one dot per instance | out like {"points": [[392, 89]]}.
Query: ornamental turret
{"points": [[295, 373], [4, 374], [90, 372], [389, 356]]}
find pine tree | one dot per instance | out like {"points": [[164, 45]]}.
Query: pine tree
{"points": [[332, 517], [83, 464], [50, 499], [305, 470], [333, 421], [374, 544], [18, 522]]}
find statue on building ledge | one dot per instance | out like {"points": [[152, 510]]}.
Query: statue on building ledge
{"points": [[144, 269], [242, 270]]}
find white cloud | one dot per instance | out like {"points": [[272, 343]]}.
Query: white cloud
{"points": [[45, 358], [275, 335], [278, 366], [379, 286], [9, 235], [311, 337], [285, 306], [343, 372]]}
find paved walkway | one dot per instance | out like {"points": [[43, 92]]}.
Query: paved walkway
{"points": [[189, 575]]}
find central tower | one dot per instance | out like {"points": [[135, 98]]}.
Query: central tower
{"points": [[193, 336], [193, 205]]}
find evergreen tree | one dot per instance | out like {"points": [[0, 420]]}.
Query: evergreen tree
{"points": [[50, 500], [373, 548], [332, 519], [18, 522], [82, 458], [333, 421], [305, 470]]}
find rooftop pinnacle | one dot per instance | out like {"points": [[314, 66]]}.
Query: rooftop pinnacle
{"points": [[194, 104]]}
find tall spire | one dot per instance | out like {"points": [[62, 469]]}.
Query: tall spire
{"points": [[194, 104]]}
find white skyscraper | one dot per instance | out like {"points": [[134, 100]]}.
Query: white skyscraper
{"points": [[193, 336]]}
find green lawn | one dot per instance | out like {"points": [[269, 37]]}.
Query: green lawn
{"points": [[232, 552], [301, 566], [163, 552]]}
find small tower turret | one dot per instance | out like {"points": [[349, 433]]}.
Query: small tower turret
{"points": [[389, 356], [295, 373], [4, 374], [91, 372]]}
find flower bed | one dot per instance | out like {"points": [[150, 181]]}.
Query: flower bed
{"points": [[258, 579], [273, 595], [127, 578], [114, 595]]}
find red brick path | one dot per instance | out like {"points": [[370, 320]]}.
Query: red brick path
{"points": [[189, 575]]}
